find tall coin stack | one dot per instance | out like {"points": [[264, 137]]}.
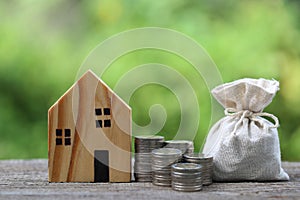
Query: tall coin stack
{"points": [[162, 160], [207, 165], [186, 177], [186, 146], [143, 148]]}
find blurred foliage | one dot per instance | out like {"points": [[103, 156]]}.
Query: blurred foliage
{"points": [[43, 43]]}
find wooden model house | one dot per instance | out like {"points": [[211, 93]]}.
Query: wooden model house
{"points": [[89, 134]]}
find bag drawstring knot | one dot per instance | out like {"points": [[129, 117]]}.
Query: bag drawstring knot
{"points": [[251, 115]]}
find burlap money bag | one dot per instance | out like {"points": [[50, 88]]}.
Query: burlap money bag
{"points": [[244, 145]]}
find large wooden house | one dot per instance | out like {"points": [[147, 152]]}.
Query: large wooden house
{"points": [[89, 134]]}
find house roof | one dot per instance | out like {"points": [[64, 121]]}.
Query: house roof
{"points": [[88, 74]]}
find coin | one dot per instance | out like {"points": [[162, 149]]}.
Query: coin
{"points": [[162, 160], [143, 158], [185, 146], [186, 188], [186, 177], [205, 161]]}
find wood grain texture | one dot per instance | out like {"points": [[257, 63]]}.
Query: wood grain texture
{"points": [[27, 179], [75, 111]]}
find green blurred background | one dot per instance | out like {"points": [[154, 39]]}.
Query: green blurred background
{"points": [[43, 44]]}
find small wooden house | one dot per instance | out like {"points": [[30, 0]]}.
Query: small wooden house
{"points": [[89, 134]]}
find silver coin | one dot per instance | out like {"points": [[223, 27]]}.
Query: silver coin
{"points": [[185, 146], [165, 152], [187, 180], [187, 189], [143, 160], [143, 179], [167, 157], [162, 183], [186, 167], [149, 141], [148, 144], [145, 150], [187, 184], [137, 170], [207, 165], [142, 170], [166, 164], [162, 178], [141, 155], [162, 171], [162, 160], [144, 145], [148, 137], [186, 177], [181, 142], [143, 175], [145, 164], [198, 156], [183, 173]]}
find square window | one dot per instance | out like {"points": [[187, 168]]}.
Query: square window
{"points": [[67, 132], [107, 123], [67, 141], [58, 132], [98, 123], [58, 141], [106, 111], [98, 111]]}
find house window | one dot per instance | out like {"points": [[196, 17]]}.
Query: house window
{"points": [[107, 123], [103, 121], [99, 123], [60, 137], [98, 111], [106, 111], [67, 137], [67, 141], [58, 132]]}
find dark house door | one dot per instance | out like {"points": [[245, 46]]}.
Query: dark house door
{"points": [[101, 166]]}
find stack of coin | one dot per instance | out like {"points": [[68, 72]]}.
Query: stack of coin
{"points": [[143, 148], [185, 146], [207, 165], [162, 160], [186, 177]]}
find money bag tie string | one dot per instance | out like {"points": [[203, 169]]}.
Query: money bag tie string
{"points": [[251, 115]]}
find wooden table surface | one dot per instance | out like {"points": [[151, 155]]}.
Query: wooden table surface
{"points": [[27, 179]]}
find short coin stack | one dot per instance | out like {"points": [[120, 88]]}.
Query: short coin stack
{"points": [[185, 146], [162, 160], [186, 177], [207, 165], [143, 148]]}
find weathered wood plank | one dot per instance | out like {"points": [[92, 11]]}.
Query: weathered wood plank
{"points": [[28, 179]]}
